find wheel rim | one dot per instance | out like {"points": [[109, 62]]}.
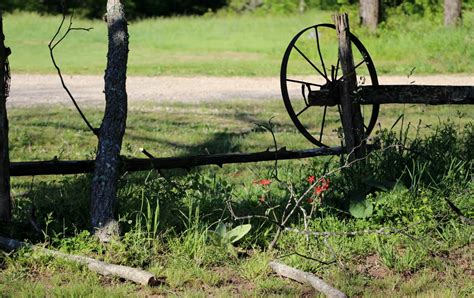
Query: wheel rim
{"points": [[296, 56]]}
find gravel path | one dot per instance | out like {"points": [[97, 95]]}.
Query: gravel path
{"points": [[29, 90]]}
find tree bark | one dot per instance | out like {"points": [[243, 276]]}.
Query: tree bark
{"points": [[452, 12], [302, 6], [369, 13], [107, 165], [5, 198]]}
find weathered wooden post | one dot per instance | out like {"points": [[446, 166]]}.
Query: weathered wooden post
{"points": [[5, 199], [352, 120]]}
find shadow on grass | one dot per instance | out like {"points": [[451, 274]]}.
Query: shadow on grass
{"points": [[62, 206]]}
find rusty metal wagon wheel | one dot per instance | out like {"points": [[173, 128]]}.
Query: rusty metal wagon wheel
{"points": [[311, 63]]}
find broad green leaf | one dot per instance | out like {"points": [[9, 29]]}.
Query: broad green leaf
{"points": [[221, 230], [361, 208], [238, 232]]}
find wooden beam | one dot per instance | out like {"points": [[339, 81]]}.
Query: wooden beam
{"points": [[398, 94], [58, 167], [416, 94], [352, 120]]}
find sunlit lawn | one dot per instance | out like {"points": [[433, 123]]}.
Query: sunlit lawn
{"points": [[234, 45]]}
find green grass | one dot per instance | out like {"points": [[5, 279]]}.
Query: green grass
{"points": [[174, 129], [234, 45], [170, 237], [167, 216]]}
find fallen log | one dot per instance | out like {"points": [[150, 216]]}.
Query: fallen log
{"points": [[306, 278], [62, 167], [138, 276]]}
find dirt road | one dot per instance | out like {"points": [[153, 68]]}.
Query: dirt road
{"points": [[30, 90]]}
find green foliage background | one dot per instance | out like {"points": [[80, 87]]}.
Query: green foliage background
{"points": [[150, 8]]}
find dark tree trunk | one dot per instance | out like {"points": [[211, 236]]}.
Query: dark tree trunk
{"points": [[107, 166], [369, 13], [452, 12], [5, 199]]}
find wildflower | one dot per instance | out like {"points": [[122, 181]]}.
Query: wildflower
{"points": [[264, 182], [324, 183], [318, 190], [310, 200], [311, 179]]}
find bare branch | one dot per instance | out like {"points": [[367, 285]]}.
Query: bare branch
{"points": [[53, 43]]}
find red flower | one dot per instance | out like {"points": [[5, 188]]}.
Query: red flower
{"points": [[324, 180], [318, 190], [311, 179], [263, 182]]}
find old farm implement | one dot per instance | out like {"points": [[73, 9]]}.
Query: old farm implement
{"points": [[321, 97], [331, 89]]}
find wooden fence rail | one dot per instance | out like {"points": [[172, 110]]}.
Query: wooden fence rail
{"points": [[65, 167]]}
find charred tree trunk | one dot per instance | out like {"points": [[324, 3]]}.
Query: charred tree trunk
{"points": [[369, 13], [107, 165], [5, 199], [452, 12]]}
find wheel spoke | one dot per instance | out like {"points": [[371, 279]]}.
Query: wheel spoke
{"points": [[302, 111], [322, 124], [328, 76], [303, 82], [319, 52], [353, 70], [339, 110], [311, 63]]}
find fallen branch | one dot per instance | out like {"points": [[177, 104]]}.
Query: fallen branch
{"points": [[133, 274], [306, 278]]}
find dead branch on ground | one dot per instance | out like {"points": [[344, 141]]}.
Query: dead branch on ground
{"points": [[306, 278], [138, 276]]}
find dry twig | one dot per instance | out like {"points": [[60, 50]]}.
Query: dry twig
{"points": [[53, 43]]}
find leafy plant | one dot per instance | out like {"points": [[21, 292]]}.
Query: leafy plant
{"points": [[362, 208], [224, 238]]}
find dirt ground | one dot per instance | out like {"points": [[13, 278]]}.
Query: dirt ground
{"points": [[29, 90]]}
